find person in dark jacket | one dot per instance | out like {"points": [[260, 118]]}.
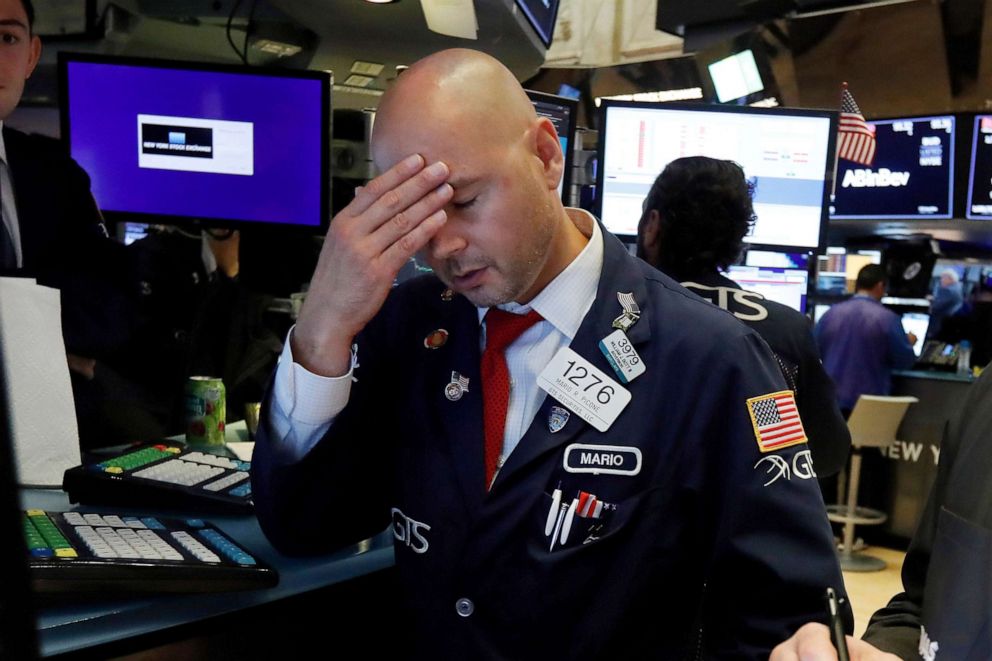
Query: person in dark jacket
{"points": [[597, 487], [695, 218]]}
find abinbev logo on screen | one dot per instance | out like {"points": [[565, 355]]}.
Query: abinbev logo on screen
{"points": [[189, 144]]}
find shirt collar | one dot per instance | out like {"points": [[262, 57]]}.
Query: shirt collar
{"points": [[565, 300], [3, 145]]}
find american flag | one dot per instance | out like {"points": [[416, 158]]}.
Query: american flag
{"points": [[856, 138], [776, 421]]}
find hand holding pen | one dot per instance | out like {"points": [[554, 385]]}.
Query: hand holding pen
{"points": [[837, 626]]}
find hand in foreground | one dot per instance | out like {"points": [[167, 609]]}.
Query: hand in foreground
{"points": [[367, 243], [812, 643]]}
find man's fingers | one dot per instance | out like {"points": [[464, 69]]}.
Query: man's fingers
{"points": [[366, 195], [387, 203], [405, 221], [406, 246]]}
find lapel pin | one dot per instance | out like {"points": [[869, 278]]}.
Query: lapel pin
{"points": [[456, 388], [631, 313], [447, 295], [436, 339]]}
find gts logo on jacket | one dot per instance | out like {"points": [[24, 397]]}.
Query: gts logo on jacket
{"points": [[721, 296]]}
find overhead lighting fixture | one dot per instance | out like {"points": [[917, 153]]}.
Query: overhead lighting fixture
{"points": [[277, 48], [663, 95], [381, 2]]}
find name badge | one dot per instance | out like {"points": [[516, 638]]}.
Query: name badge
{"points": [[622, 356], [585, 389], [609, 459]]}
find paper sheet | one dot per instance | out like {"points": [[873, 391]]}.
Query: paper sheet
{"points": [[39, 393]]}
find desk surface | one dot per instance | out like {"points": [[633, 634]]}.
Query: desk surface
{"points": [[69, 627], [934, 375]]}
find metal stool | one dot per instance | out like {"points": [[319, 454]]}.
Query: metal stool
{"points": [[873, 424]]}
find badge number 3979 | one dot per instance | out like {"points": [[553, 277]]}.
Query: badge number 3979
{"points": [[584, 389]]}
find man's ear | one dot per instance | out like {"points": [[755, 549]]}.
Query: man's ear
{"points": [[34, 56], [548, 149], [652, 229]]}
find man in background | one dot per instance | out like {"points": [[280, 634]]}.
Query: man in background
{"points": [[947, 301], [695, 218], [51, 228], [862, 341]]}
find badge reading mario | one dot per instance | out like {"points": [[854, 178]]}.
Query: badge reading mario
{"points": [[776, 421]]}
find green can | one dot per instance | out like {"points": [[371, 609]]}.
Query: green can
{"points": [[206, 410]]}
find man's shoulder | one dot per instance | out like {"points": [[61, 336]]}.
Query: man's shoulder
{"points": [[39, 151], [15, 139], [679, 308]]}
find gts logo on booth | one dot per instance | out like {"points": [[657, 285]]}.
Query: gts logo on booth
{"points": [[865, 178]]}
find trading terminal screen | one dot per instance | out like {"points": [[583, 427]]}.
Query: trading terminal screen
{"points": [[786, 153], [912, 175], [782, 285], [980, 177], [173, 142], [916, 323]]}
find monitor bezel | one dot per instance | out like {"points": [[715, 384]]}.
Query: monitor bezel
{"points": [[117, 216], [830, 115], [573, 105], [952, 184], [532, 22], [973, 152]]}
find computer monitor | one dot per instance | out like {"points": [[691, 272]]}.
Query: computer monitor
{"points": [[785, 260], [188, 143], [838, 269], [787, 153], [916, 323], [979, 205], [562, 112], [912, 176], [782, 285], [541, 14], [735, 76]]}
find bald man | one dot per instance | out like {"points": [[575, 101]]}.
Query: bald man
{"points": [[578, 458]]}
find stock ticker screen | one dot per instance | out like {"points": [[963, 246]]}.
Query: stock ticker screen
{"points": [[912, 176]]}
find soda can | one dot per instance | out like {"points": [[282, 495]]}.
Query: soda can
{"points": [[206, 410]]}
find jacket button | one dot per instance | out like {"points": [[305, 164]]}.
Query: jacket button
{"points": [[464, 607]]}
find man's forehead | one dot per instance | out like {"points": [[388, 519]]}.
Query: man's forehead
{"points": [[457, 148]]}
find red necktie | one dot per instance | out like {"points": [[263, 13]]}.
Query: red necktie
{"points": [[502, 328]]}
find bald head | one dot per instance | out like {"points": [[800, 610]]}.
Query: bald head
{"points": [[506, 234], [455, 92]]}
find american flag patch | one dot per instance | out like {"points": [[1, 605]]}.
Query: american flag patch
{"points": [[776, 421]]}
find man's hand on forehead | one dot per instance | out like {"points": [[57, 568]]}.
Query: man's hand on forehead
{"points": [[391, 218]]}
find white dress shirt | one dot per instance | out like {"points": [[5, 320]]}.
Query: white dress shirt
{"points": [[7, 206], [305, 404]]}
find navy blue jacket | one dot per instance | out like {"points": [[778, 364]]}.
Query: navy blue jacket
{"points": [[789, 335], [709, 549]]}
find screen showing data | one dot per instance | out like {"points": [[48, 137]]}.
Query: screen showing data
{"points": [[980, 176], [912, 176], [787, 155]]}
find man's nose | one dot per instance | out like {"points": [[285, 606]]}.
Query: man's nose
{"points": [[448, 241]]}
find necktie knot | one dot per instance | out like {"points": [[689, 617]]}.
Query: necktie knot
{"points": [[502, 328]]}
